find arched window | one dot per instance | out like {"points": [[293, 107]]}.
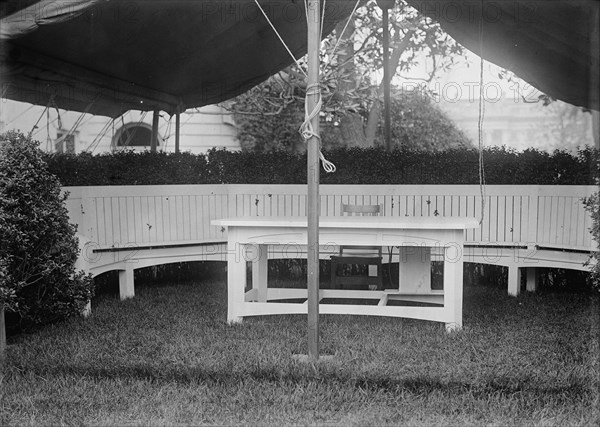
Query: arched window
{"points": [[134, 135]]}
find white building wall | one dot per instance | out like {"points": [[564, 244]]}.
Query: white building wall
{"points": [[519, 125], [201, 129]]}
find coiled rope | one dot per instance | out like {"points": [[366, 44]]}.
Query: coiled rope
{"points": [[306, 129]]}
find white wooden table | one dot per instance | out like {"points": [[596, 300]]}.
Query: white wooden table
{"points": [[251, 239]]}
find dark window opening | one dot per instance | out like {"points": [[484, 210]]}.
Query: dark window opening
{"points": [[134, 135]]}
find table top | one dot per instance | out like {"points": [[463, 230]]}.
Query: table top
{"points": [[394, 222]]}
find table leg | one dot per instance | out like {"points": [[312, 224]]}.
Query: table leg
{"points": [[260, 272], [453, 285], [236, 279]]}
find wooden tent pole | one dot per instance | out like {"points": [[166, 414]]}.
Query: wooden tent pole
{"points": [[594, 98], [386, 81], [314, 20], [177, 127], [154, 131]]}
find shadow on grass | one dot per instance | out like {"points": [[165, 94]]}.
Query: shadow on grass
{"points": [[501, 386]]}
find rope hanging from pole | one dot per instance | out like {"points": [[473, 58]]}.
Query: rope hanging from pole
{"points": [[480, 119], [77, 123], [41, 115], [167, 132], [48, 141], [53, 104], [306, 129]]}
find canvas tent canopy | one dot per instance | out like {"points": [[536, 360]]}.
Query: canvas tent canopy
{"points": [[150, 54], [109, 56], [553, 45]]}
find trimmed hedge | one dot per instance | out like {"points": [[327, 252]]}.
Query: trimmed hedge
{"points": [[128, 168], [354, 166]]}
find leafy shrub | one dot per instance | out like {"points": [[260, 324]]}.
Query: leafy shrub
{"points": [[422, 124], [592, 204], [39, 246], [267, 117]]}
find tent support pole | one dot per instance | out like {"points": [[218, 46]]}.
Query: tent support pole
{"points": [[312, 97], [594, 99], [177, 127], [386, 80], [154, 131]]}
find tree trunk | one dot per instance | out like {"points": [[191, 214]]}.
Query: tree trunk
{"points": [[373, 121], [375, 112], [351, 123], [352, 130]]}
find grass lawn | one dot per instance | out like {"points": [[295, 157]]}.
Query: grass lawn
{"points": [[168, 357]]}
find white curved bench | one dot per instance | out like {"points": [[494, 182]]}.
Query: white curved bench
{"points": [[129, 227]]}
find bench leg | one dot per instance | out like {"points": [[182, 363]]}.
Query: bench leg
{"points": [[126, 287], [532, 279], [514, 280], [87, 310]]}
